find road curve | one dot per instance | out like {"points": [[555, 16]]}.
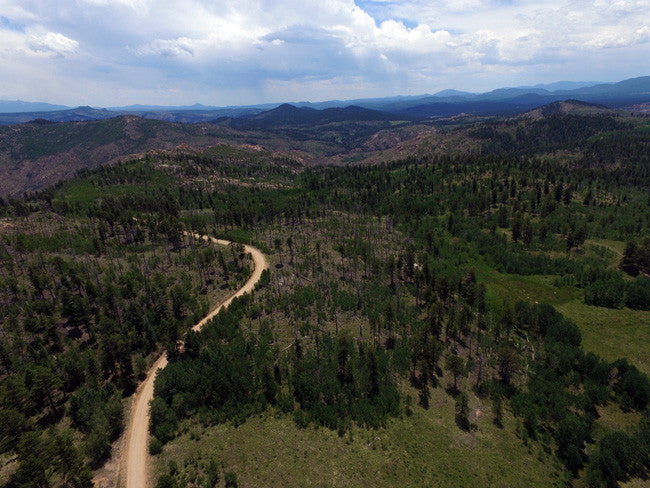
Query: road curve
{"points": [[134, 458]]}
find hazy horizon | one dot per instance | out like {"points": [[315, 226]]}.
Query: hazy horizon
{"points": [[579, 84]]}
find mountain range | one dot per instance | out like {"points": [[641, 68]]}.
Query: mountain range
{"points": [[36, 154], [446, 103]]}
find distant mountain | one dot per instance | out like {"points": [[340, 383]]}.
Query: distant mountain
{"points": [[196, 108], [195, 116], [161, 108], [450, 108], [78, 114], [507, 101], [570, 107], [452, 93], [88, 113], [16, 106], [287, 114], [445, 103], [626, 89], [370, 103], [565, 85]]}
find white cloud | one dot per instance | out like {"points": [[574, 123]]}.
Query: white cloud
{"points": [[613, 38], [212, 50], [137, 5], [182, 46], [53, 43]]}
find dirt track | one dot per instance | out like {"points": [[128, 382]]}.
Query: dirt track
{"points": [[134, 457]]}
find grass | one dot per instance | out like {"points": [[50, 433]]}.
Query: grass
{"points": [[610, 333], [618, 247], [532, 288], [82, 191], [613, 333], [85, 192], [8, 466], [612, 417], [425, 449]]}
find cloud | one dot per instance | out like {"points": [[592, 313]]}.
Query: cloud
{"points": [[137, 5], [53, 43], [219, 51], [613, 38], [182, 46]]}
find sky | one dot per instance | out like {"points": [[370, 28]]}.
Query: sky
{"points": [[238, 52]]}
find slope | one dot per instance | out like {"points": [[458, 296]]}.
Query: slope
{"points": [[40, 153]]}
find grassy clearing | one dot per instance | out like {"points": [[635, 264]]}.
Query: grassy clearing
{"points": [[610, 333], [84, 192], [534, 288], [612, 417], [613, 333], [618, 247], [425, 449]]}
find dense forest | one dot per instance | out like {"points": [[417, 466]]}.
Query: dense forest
{"points": [[86, 304], [382, 291]]}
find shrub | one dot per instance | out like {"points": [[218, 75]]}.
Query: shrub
{"points": [[155, 446]]}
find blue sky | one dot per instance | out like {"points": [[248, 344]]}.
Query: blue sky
{"points": [[218, 52]]}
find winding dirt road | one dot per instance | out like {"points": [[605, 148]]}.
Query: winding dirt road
{"points": [[134, 458]]}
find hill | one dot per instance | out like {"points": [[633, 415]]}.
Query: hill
{"points": [[289, 115], [40, 153], [570, 107], [336, 130], [573, 127]]}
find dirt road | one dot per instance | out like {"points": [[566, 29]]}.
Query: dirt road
{"points": [[134, 458]]}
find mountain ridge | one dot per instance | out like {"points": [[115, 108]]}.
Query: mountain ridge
{"points": [[501, 101]]}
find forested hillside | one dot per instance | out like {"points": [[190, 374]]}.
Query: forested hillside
{"points": [[40, 153], [487, 303]]}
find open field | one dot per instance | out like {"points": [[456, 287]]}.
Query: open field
{"points": [[608, 332], [613, 333], [424, 449]]}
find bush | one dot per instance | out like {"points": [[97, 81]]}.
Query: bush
{"points": [[231, 479], [301, 418], [155, 446], [563, 331], [166, 481], [608, 293], [632, 386], [570, 436], [637, 293], [163, 419], [613, 461], [462, 410], [285, 402]]}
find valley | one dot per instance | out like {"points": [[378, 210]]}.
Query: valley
{"points": [[460, 301]]}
